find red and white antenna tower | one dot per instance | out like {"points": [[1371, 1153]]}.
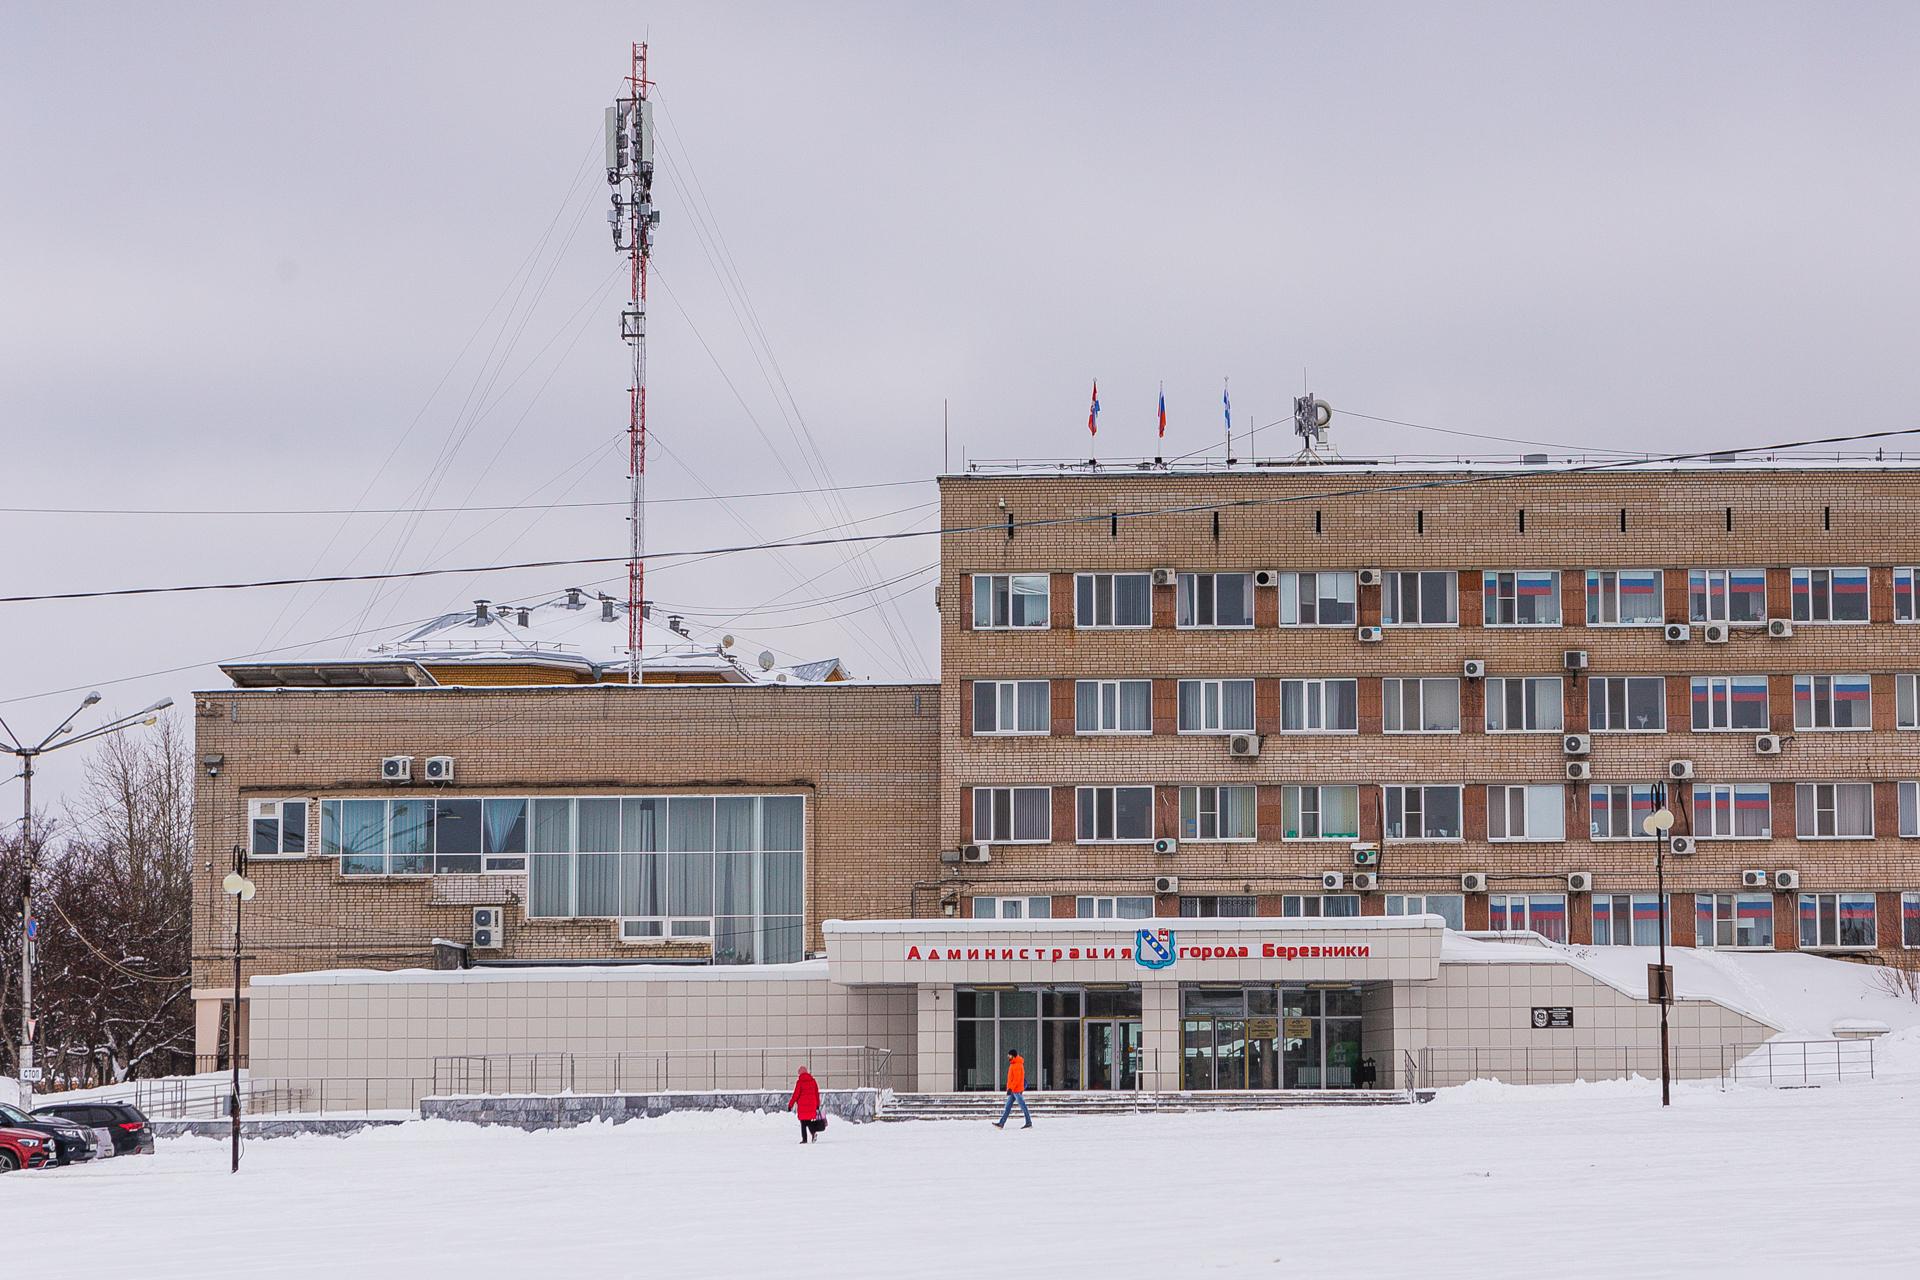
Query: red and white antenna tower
{"points": [[630, 174]]}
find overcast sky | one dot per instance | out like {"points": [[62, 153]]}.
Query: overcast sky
{"points": [[273, 257]]}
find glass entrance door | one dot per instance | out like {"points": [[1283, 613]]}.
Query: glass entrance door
{"points": [[1113, 1053]]}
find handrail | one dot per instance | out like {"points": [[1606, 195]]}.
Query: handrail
{"points": [[769, 1067]]}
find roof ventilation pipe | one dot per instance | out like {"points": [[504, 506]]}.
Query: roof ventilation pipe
{"points": [[482, 612]]}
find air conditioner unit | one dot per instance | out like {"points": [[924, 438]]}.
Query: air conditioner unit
{"points": [[1473, 882], [439, 768], [1781, 627], [1574, 659], [1579, 882], [1365, 880], [1331, 880], [1166, 844], [1578, 771], [1244, 744], [1266, 577], [488, 933], [1577, 744], [1369, 577], [1163, 577], [1366, 855], [976, 853], [1369, 635], [1473, 668], [1767, 744], [949, 855], [396, 769], [1715, 633], [1679, 770], [1678, 632], [1753, 879], [1166, 884], [1680, 846], [1786, 879]]}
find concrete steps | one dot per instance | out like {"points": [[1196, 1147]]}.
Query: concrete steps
{"points": [[978, 1106]]}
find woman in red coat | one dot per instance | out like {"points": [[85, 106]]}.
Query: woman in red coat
{"points": [[806, 1102]]}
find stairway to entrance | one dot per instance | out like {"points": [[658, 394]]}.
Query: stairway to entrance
{"points": [[976, 1106]]}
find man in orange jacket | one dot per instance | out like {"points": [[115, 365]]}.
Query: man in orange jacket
{"points": [[1016, 1091]]}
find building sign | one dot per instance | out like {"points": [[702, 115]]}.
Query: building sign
{"points": [[1153, 949], [1551, 1018], [1299, 1028], [1263, 1028], [934, 954]]}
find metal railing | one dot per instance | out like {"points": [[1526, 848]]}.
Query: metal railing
{"points": [[1798, 1062], [1767, 1062], [834, 1066], [189, 1098]]}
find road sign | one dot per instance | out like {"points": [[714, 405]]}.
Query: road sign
{"points": [[30, 1075], [1660, 983]]}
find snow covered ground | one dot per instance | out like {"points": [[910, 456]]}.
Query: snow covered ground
{"points": [[1579, 1180]]}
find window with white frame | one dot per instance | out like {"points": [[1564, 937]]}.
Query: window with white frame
{"points": [[1906, 701], [1909, 809], [1906, 594], [1450, 907], [1112, 600], [1627, 704], [1319, 706], [1420, 813], [1216, 706], [1013, 815], [1330, 811], [1209, 906], [1735, 596], [1829, 595], [1626, 920], [1313, 905], [1838, 921], [418, 836], [1625, 598], [1530, 812], [1520, 598], [1011, 706], [1114, 815], [1124, 907], [1006, 601], [1615, 811], [1832, 702], [1833, 810], [278, 828], [1910, 919], [1732, 810], [1214, 600], [1524, 704], [1730, 702], [1428, 598], [1320, 599], [1420, 704], [1035, 908], [1217, 813], [1113, 706], [1733, 920], [1542, 913]]}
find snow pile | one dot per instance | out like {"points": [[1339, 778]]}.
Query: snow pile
{"points": [[9, 1091]]}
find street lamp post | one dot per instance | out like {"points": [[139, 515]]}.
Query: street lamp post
{"points": [[29, 1074], [240, 889], [1657, 824]]}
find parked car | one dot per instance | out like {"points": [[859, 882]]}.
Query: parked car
{"points": [[72, 1143], [132, 1135], [22, 1149]]}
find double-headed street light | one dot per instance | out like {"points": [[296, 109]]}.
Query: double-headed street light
{"points": [[1660, 977], [236, 886]]}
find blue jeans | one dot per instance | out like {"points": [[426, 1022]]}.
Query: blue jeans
{"points": [[1020, 1098]]}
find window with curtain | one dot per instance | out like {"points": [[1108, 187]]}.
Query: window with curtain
{"points": [[1112, 600], [1319, 706], [1905, 594], [1733, 920], [1906, 701], [1428, 704], [1327, 812], [1730, 703], [1616, 811], [1534, 812], [1009, 600], [1627, 704], [1833, 810], [1421, 813], [1011, 707], [1013, 815], [1450, 907], [1541, 913], [1626, 920], [1736, 596], [1114, 908], [505, 824], [1832, 702], [1732, 811], [1625, 598], [1523, 704], [1428, 598], [1829, 595], [1312, 905], [1113, 706], [1033, 908], [1114, 815], [1837, 921], [1217, 813], [1520, 598], [1909, 809], [1216, 706], [1321, 599], [1214, 600]]}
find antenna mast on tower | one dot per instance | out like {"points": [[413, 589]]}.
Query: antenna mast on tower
{"points": [[630, 174]]}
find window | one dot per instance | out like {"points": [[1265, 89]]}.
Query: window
{"points": [[1737, 596], [1626, 920], [1910, 809], [1737, 811], [1208, 907], [1730, 702], [1003, 601], [1520, 598], [279, 828], [1543, 913], [1216, 813], [1833, 810], [1429, 704], [1430, 598], [1012, 908], [1011, 706], [1837, 920], [1113, 600], [1523, 704], [1111, 815], [1451, 907], [358, 832], [1910, 919], [1906, 702], [1829, 595], [1615, 811], [1733, 920], [1832, 702], [1627, 704], [1323, 599], [1527, 812], [1113, 706], [1320, 813], [1013, 815], [1421, 813], [1124, 908], [1320, 904], [1625, 598], [1319, 706], [1216, 706], [1214, 600], [1906, 595]]}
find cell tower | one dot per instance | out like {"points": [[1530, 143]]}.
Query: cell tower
{"points": [[630, 174]]}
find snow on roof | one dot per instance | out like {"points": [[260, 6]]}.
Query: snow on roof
{"points": [[802, 971]]}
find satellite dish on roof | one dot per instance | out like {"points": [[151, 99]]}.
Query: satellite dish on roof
{"points": [[766, 659], [726, 642]]}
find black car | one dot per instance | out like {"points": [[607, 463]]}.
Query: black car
{"points": [[72, 1143], [132, 1135]]}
